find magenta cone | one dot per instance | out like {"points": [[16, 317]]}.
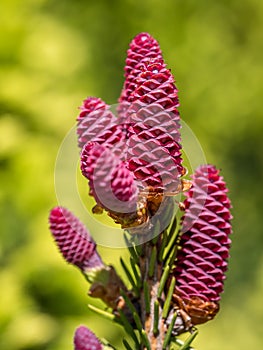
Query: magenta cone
{"points": [[73, 240]]}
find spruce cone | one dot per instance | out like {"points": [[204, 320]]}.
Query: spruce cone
{"points": [[143, 48], [97, 123], [111, 183], [73, 240], [84, 339], [154, 148], [202, 259]]}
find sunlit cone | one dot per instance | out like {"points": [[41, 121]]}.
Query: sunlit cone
{"points": [[85, 339], [79, 249], [96, 121], [154, 149], [111, 183], [73, 240], [202, 260], [142, 49]]}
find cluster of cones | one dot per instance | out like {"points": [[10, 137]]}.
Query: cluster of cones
{"points": [[133, 164]]}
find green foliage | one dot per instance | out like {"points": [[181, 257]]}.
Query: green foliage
{"points": [[55, 53]]}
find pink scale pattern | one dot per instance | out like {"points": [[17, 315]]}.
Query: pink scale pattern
{"points": [[85, 339], [73, 240], [202, 260]]}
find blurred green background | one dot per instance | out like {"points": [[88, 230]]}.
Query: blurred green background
{"points": [[55, 53]]}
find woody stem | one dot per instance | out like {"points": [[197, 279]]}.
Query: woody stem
{"points": [[151, 311]]}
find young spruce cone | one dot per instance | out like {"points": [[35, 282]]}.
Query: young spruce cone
{"points": [[202, 260], [111, 183], [73, 240], [154, 150], [84, 339], [142, 49], [97, 123]]}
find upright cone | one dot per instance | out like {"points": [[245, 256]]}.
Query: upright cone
{"points": [[202, 260]]}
